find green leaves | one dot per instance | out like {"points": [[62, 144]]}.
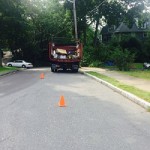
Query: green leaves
{"points": [[123, 58], [29, 24]]}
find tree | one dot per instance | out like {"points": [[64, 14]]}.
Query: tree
{"points": [[82, 8], [123, 58], [12, 19], [146, 50], [0, 57], [32, 23], [107, 10], [113, 12]]}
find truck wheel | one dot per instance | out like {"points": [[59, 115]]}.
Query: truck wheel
{"points": [[75, 70], [64, 69], [52, 70]]}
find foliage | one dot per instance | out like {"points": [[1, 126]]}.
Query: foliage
{"points": [[96, 63], [7, 69], [29, 25], [146, 50], [94, 56], [87, 55], [123, 58], [133, 45]]}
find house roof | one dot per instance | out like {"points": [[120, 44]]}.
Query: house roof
{"points": [[122, 28], [134, 28]]}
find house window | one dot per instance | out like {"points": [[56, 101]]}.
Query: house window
{"points": [[145, 35]]}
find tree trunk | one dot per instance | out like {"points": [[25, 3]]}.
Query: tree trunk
{"points": [[0, 58], [84, 32], [96, 31]]}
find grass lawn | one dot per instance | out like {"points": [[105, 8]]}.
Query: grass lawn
{"points": [[136, 71], [140, 93], [143, 74], [7, 69]]}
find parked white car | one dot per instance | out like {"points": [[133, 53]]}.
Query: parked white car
{"points": [[20, 63]]}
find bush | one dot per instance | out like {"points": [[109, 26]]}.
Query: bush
{"points": [[133, 45], [93, 56], [146, 50], [87, 55], [96, 64], [122, 58]]}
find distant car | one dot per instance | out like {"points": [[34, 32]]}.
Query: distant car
{"points": [[20, 63], [146, 65]]}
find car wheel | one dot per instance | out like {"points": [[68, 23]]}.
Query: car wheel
{"points": [[9, 65], [23, 66]]}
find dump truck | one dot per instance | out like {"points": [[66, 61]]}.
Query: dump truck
{"points": [[65, 56]]}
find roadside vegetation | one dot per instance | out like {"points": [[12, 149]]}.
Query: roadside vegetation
{"points": [[136, 70], [7, 69], [27, 26], [145, 74], [131, 89], [122, 55]]}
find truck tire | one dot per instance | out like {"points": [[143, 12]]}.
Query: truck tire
{"points": [[64, 69], [52, 70], [75, 70]]}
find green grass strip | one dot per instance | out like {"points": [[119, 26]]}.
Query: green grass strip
{"points": [[131, 89], [145, 74], [7, 69]]}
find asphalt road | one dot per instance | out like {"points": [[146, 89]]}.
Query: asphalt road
{"points": [[95, 118]]}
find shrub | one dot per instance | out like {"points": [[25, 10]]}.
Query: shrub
{"points": [[122, 58], [95, 63], [87, 55]]}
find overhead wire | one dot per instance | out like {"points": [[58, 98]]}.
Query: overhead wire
{"points": [[94, 9]]}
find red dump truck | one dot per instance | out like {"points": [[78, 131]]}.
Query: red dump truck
{"points": [[65, 56]]}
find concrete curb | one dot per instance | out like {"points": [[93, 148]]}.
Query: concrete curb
{"points": [[128, 95]]}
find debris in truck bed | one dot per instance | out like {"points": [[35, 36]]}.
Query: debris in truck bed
{"points": [[61, 51]]}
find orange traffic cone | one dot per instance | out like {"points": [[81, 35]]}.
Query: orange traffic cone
{"points": [[42, 76], [61, 102]]}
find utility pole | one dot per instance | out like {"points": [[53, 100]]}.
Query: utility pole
{"points": [[75, 20]]}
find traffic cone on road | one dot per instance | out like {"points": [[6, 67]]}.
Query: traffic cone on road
{"points": [[62, 102], [42, 76]]}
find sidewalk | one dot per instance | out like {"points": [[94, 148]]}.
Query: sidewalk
{"points": [[126, 79]]}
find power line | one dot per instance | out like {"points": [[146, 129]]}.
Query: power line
{"points": [[96, 7], [83, 16]]}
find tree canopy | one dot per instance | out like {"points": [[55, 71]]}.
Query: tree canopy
{"points": [[30, 24]]}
